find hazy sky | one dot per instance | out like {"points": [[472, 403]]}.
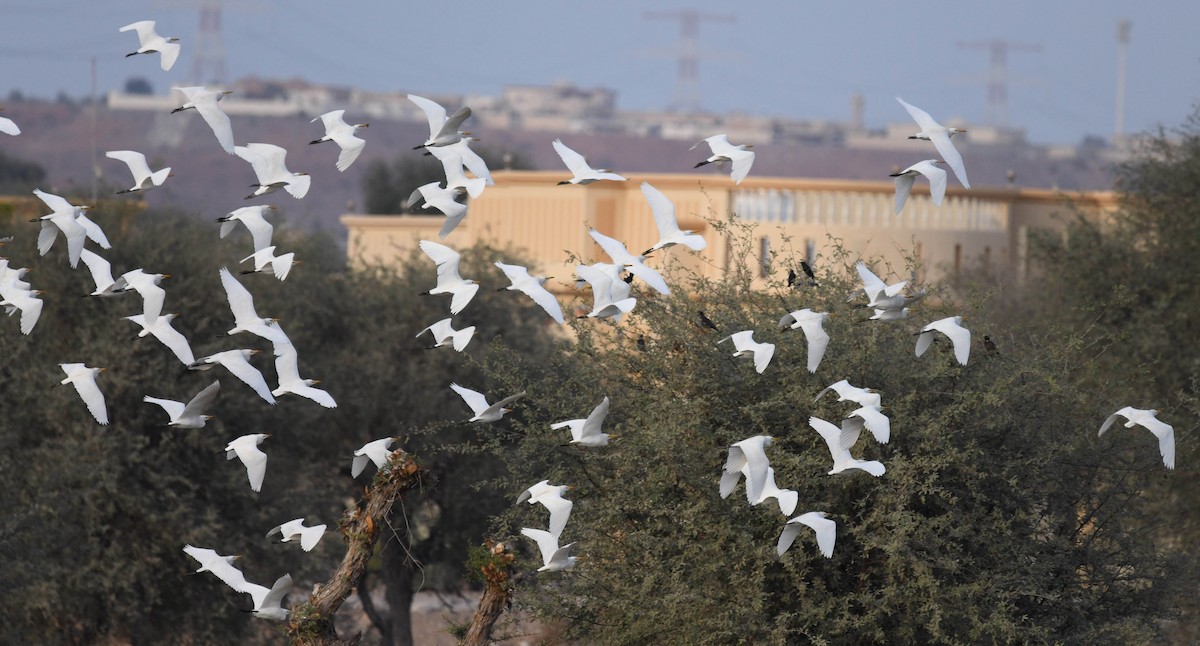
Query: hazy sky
{"points": [[799, 58]]}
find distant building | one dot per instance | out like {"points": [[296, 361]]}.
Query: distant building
{"points": [[799, 216], [564, 108]]}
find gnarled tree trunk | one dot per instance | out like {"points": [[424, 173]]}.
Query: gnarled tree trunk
{"points": [[497, 593], [311, 623]]}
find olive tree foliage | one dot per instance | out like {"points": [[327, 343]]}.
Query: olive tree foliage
{"points": [[387, 185], [1134, 275], [1001, 517], [97, 516], [408, 395], [1133, 280], [17, 174]]}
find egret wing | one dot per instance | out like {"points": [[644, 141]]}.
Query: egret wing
{"points": [[573, 160], [56, 203], [135, 160], [435, 114], [90, 393], [174, 340], [256, 465], [474, 399], [216, 119], [924, 121], [818, 341], [663, 209], [741, 162], [202, 401], [937, 181], [945, 147], [249, 375], [1166, 439], [93, 231], [174, 409], [1124, 412], [594, 421], [825, 529], [560, 511], [904, 183], [547, 542], [872, 284]]}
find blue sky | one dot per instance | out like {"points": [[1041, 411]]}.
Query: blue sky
{"points": [[798, 59]]}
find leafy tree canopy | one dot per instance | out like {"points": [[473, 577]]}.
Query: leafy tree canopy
{"points": [[1001, 517]]}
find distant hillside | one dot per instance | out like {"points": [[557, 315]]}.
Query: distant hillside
{"points": [[210, 182]]}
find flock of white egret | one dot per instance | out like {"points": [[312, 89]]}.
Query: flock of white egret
{"points": [[466, 177]]}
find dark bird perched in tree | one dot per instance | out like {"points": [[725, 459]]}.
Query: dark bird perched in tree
{"points": [[989, 346], [641, 342], [808, 272], [707, 322], [793, 277]]}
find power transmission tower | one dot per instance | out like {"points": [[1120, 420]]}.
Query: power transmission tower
{"points": [[687, 74], [1123, 28], [208, 61], [208, 50], [998, 78]]}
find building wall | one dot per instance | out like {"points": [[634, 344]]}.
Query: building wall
{"points": [[529, 211]]}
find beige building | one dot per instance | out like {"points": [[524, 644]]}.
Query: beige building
{"points": [[800, 217]]}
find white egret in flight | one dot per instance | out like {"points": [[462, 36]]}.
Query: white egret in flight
{"points": [[237, 362], [745, 346], [669, 233], [483, 411], [554, 558], [245, 448], [376, 451], [191, 414], [143, 177], [1146, 419], [448, 279], [267, 160], [204, 101], [84, 380], [587, 432], [295, 529], [533, 287], [444, 333], [952, 327], [906, 178], [582, 172], [149, 42], [740, 157], [342, 134], [814, 332], [940, 136], [826, 531]]}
